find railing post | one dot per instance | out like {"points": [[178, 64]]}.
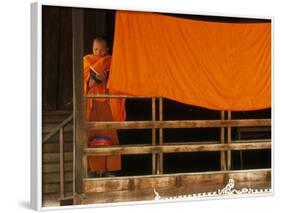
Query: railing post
{"points": [[229, 142], [160, 155], [222, 138], [240, 152], [79, 133], [153, 135], [61, 142]]}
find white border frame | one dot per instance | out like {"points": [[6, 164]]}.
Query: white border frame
{"points": [[36, 94], [36, 106]]}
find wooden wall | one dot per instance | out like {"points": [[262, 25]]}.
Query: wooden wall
{"points": [[57, 50], [57, 58]]}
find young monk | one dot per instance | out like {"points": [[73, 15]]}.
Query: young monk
{"points": [[95, 75]]}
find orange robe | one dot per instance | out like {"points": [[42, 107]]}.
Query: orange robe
{"points": [[102, 109]]}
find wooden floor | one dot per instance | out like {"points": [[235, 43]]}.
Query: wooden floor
{"points": [[260, 179], [148, 195], [111, 190]]}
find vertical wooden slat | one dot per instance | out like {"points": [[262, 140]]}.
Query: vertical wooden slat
{"points": [[61, 141], [222, 139], [153, 135], [160, 158], [79, 134], [229, 142], [85, 165], [240, 152]]}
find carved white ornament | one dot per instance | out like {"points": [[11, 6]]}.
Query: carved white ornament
{"points": [[226, 191]]}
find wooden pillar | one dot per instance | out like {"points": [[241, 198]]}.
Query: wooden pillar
{"points": [[79, 133], [222, 139], [160, 155], [153, 135], [240, 152], [229, 142]]}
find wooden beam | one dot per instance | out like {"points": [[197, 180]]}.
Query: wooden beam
{"points": [[79, 135], [160, 158], [149, 195], [176, 124], [55, 177], [57, 128], [222, 138], [102, 185], [115, 96], [229, 141], [154, 169], [54, 157], [55, 167], [173, 148], [255, 176], [53, 188], [169, 181]]}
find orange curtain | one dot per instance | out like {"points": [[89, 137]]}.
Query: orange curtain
{"points": [[216, 65]]}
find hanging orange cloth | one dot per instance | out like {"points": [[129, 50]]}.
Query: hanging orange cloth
{"points": [[216, 65]]}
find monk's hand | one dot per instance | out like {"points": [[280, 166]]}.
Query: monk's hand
{"points": [[101, 76], [91, 83]]}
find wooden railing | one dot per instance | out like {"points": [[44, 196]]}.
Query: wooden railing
{"points": [[60, 129], [224, 145]]}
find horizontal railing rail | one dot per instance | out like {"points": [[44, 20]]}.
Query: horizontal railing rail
{"points": [[175, 148], [176, 124], [60, 129], [56, 129]]}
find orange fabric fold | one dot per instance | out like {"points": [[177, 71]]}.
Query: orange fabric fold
{"points": [[216, 65]]}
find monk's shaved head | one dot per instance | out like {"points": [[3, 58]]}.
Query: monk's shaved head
{"points": [[100, 46], [100, 40]]}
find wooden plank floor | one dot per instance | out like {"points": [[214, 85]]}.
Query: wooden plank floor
{"points": [[243, 179], [141, 188], [148, 194]]}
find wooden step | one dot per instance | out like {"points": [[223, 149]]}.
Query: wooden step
{"points": [[67, 200], [55, 167], [68, 137], [50, 157], [54, 147], [57, 112], [53, 199], [54, 119], [55, 116], [46, 128], [54, 187], [55, 177], [54, 157]]}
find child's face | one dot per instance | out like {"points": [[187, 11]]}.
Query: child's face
{"points": [[100, 48]]}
